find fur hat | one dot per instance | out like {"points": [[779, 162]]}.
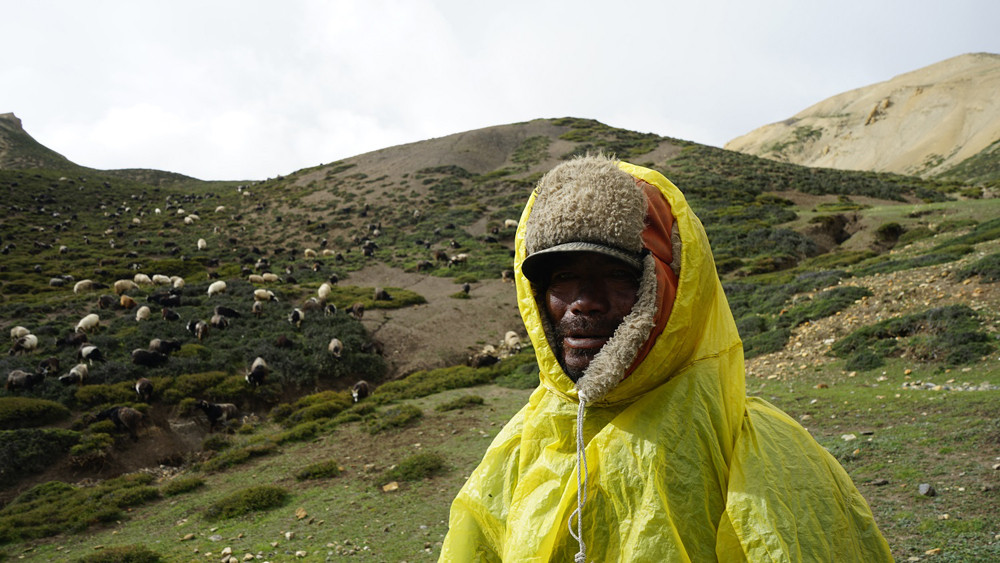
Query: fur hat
{"points": [[585, 204]]}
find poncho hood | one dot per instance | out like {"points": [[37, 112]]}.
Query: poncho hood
{"points": [[679, 464]]}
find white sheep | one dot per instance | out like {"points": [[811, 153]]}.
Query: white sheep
{"points": [[83, 285], [269, 277], [202, 245], [510, 224], [121, 286], [264, 295], [220, 209], [177, 281], [18, 332], [336, 347], [88, 323], [324, 292], [160, 279], [216, 288], [143, 313], [310, 253], [142, 279], [255, 278]]}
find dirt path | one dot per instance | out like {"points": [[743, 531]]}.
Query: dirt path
{"points": [[443, 331]]}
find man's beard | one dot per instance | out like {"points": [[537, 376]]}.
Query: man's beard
{"points": [[580, 326]]}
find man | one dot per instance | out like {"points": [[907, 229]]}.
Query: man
{"points": [[640, 443]]}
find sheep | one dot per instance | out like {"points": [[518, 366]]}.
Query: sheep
{"points": [[20, 379], [510, 224], [170, 315], [512, 342], [255, 278], [160, 279], [57, 282], [177, 281], [219, 321], [217, 412], [296, 316], [360, 390], [381, 294], [202, 245], [90, 354], [458, 259], [312, 304], [142, 279], [466, 287], [336, 347], [268, 277], [216, 288], [357, 310], [127, 302], [330, 310], [18, 332], [324, 292], [258, 372], [309, 253], [125, 419], [148, 358], [144, 389], [424, 265], [88, 323], [257, 309], [170, 298], [121, 286], [143, 313], [198, 328], [264, 295], [507, 276], [83, 285], [76, 375], [164, 346]]}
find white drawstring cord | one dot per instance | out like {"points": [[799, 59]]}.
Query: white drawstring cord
{"points": [[581, 488]]}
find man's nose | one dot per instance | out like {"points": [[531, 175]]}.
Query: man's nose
{"points": [[591, 298]]}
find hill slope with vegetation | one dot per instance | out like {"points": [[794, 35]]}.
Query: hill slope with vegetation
{"points": [[867, 303]]}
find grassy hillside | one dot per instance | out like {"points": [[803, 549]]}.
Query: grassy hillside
{"points": [[867, 304]]}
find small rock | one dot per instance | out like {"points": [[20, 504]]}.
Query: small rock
{"points": [[934, 551], [248, 557], [389, 487], [215, 537], [289, 535], [880, 482], [226, 551], [300, 513], [848, 437], [822, 386], [927, 490], [301, 553], [188, 537]]}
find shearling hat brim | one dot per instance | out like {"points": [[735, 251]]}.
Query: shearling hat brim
{"points": [[535, 267]]}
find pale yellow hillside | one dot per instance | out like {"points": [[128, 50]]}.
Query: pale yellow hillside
{"points": [[922, 122]]}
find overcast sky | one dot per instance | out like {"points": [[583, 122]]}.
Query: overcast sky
{"points": [[248, 89]]}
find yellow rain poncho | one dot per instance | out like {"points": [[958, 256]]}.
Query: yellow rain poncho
{"points": [[679, 464]]}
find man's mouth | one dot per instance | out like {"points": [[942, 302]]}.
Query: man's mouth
{"points": [[585, 342]]}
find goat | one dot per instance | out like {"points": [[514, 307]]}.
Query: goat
{"points": [[76, 375], [227, 312], [381, 295], [170, 315], [20, 379], [144, 389], [106, 302], [219, 321], [48, 366], [296, 316], [198, 328], [164, 346], [357, 310], [148, 358], [257, 309], [125, 418], [90, 354], [360, 390], [127, 302], [74, 339], [258, 372], [217, 412]]}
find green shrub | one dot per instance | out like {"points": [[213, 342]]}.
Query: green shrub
{"points": [[216, 442], [987, 268], [123, 554], [392, 417], [29, 450], [823, 304], [181, 485], [244, 501], [524, 376], [298, 433], [416, 467], [24, 412], [319, 470], [237, 456], [864, 360], [101, 394], [465, 401], [766, 342], [915, 234], [192, 385]]}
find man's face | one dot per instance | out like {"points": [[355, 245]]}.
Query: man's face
{"points": [[587, 296]]}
